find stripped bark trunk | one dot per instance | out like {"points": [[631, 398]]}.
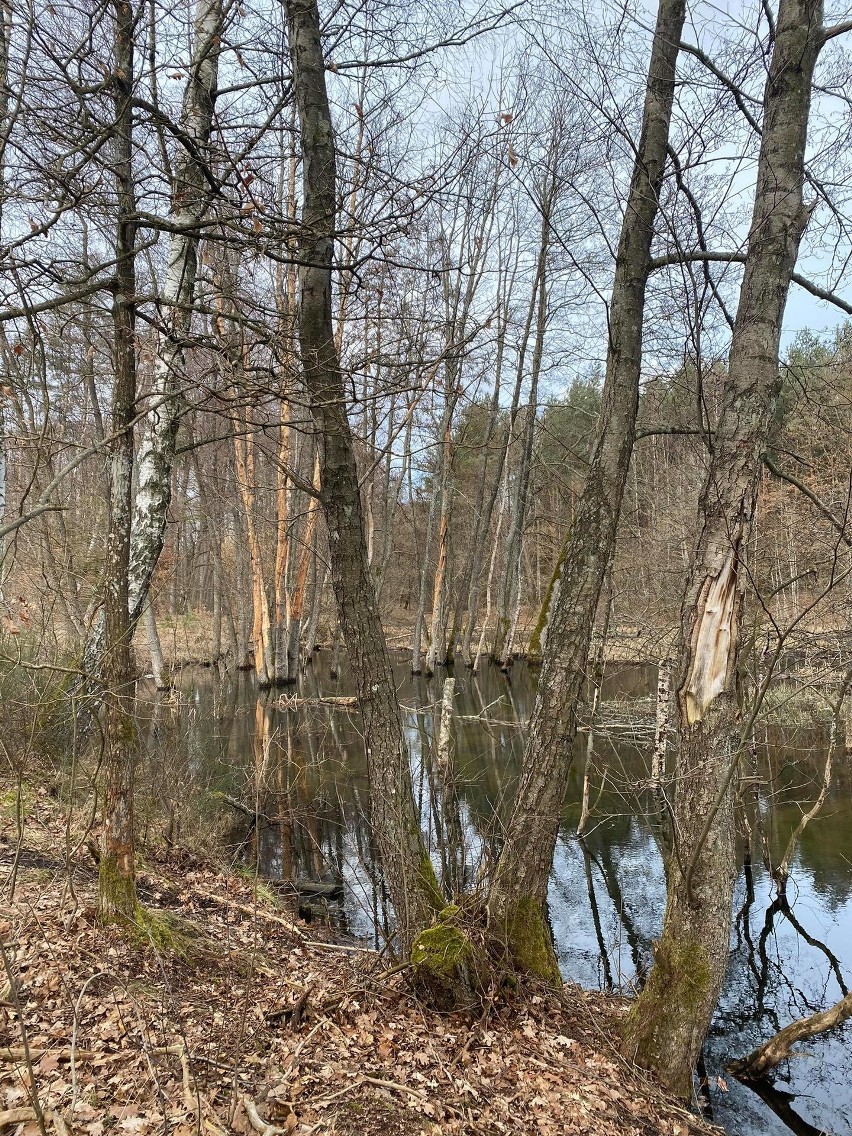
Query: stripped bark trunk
{"points": [[467, 605], [407, 869], [510, 585], [261, 628], [490, 577], [448, 791], [436, 653], [282, 551], [431, 525], [306, 559], [519, 887], [158, 666], [117, 876], [668, 1023]]}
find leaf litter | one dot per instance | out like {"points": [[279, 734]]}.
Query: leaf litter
{"points": [[239, 1020]]}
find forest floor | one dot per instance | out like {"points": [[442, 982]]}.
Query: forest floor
{"points": [[226, 1014]]}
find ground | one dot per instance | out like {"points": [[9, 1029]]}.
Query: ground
{"points": [[224, 1014]]}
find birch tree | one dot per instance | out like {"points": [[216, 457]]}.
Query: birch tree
{"points": [[189, 202]]}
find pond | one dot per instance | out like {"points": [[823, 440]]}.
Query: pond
{"points": [[304, 770]]}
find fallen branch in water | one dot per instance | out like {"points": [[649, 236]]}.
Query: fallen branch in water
{"points": [[291, 702], [768, 1055]]}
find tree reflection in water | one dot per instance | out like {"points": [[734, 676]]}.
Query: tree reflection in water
{"points": [[303, 772]]}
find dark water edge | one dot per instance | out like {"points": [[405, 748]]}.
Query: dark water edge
{"points": [[607, 891]]}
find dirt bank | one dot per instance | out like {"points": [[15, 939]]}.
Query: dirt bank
{"points": [[226, 1014]]}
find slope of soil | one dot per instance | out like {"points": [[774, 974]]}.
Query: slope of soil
{"points": [[225, 1014]]}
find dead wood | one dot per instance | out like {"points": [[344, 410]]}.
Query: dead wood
{"points": [[772, 1052]]}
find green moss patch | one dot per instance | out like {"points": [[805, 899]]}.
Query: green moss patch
{"points": [[530, 942], [449, 969]]}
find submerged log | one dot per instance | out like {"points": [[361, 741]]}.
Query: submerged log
{"points": [[774, 1051], [319, 889], [291, 702]]}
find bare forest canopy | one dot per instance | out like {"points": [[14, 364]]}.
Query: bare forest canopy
{"points": [[480, 190], [481, 329]]}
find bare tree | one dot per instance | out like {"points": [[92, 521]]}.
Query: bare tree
{"points": [[519, 886], [668, 1023], [410, 877]]}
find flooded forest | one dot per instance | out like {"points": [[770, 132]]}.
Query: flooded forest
{"points": [[425, 567]]}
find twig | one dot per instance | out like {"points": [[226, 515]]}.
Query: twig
{"points": [[257, 1122], [77, 1005]]}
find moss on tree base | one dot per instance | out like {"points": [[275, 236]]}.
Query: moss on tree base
{"points": [[450, 970], [530, 942], [658, 1032], [116, 892]]}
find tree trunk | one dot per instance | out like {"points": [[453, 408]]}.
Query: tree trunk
{"points": [[667, 1025], [158, 666], [307, 557], [261, 628], [509, 593], [157, 448], [117, 877], [408, 871], [519, 886]]}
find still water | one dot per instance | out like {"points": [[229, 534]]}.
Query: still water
{"points": [[304, 769]]}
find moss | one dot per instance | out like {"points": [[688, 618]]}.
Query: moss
{"points": [[534, 652], [170, 935], [530, 942], [116, 892], [660, 1022], [9, 800], [449, 968], [429, 884], [443, 947]]}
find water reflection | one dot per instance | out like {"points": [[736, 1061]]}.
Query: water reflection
{"points": [[302, 772]]}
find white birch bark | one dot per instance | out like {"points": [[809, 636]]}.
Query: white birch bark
{"points": [[157, 449]]}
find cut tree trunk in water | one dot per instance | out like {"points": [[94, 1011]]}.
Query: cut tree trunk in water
{"points": [[516, 903], [667, 1025]]}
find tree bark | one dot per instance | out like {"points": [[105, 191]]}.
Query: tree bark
{"points": [[157, 448], [519, 886], [668, 1023], [408, 871], [117, 877]]}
